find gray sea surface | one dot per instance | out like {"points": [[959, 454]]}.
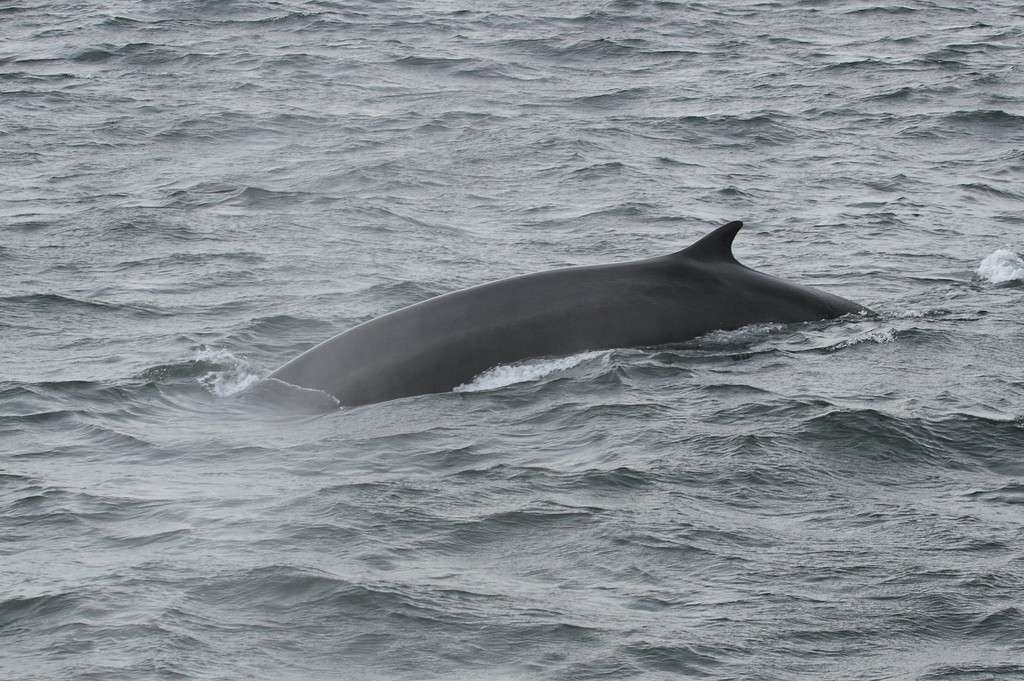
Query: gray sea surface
{"points": [[194, 192]]}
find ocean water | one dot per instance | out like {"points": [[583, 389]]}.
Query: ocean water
{"points": [[193, 192]]}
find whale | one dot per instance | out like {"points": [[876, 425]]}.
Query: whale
{"points": [[438, 344]]}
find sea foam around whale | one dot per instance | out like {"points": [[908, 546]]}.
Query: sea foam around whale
{"points": [[520, 372]]}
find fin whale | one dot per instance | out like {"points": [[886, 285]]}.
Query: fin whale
{"points": [[440, 343]]}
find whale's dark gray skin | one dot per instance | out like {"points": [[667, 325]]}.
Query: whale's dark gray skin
{"points": [[440, 343]]}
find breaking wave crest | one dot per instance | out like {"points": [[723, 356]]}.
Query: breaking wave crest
{"points": [[1002, 266]]}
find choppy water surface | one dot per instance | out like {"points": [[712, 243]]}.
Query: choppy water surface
{"points": [[194, 192]]}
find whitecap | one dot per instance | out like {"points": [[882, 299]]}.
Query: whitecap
{"points": [[880, 335], [1002, 266]]}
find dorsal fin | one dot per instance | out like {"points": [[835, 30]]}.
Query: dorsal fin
{"points": [[715, 246]]}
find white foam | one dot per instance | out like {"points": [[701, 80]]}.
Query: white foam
{"points": [[745, 335], [880, 335], [1001, 266], [520, 372], [235, 375], [910, 314]]}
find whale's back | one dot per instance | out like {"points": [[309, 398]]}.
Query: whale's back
{"points": [[443, 342]]}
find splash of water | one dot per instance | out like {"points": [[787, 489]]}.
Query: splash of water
{"points": [[881, 335], [233, 375], [1002, 266]]}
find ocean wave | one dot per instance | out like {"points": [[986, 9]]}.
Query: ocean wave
{"points": [[880, 335], [41, 305], [172, 260], [435, 62], [956, 441], [222, 372], [500, 527], [883, 9], [762, 128], [614, 98], [25, 612], [992, 119], [985, 188], [261, 327], [597, 171], [616, 479], [1002, 266], [1011, 493], [202, 364], [679, 659], [136, 53], [216, 194], [306, 593]]}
